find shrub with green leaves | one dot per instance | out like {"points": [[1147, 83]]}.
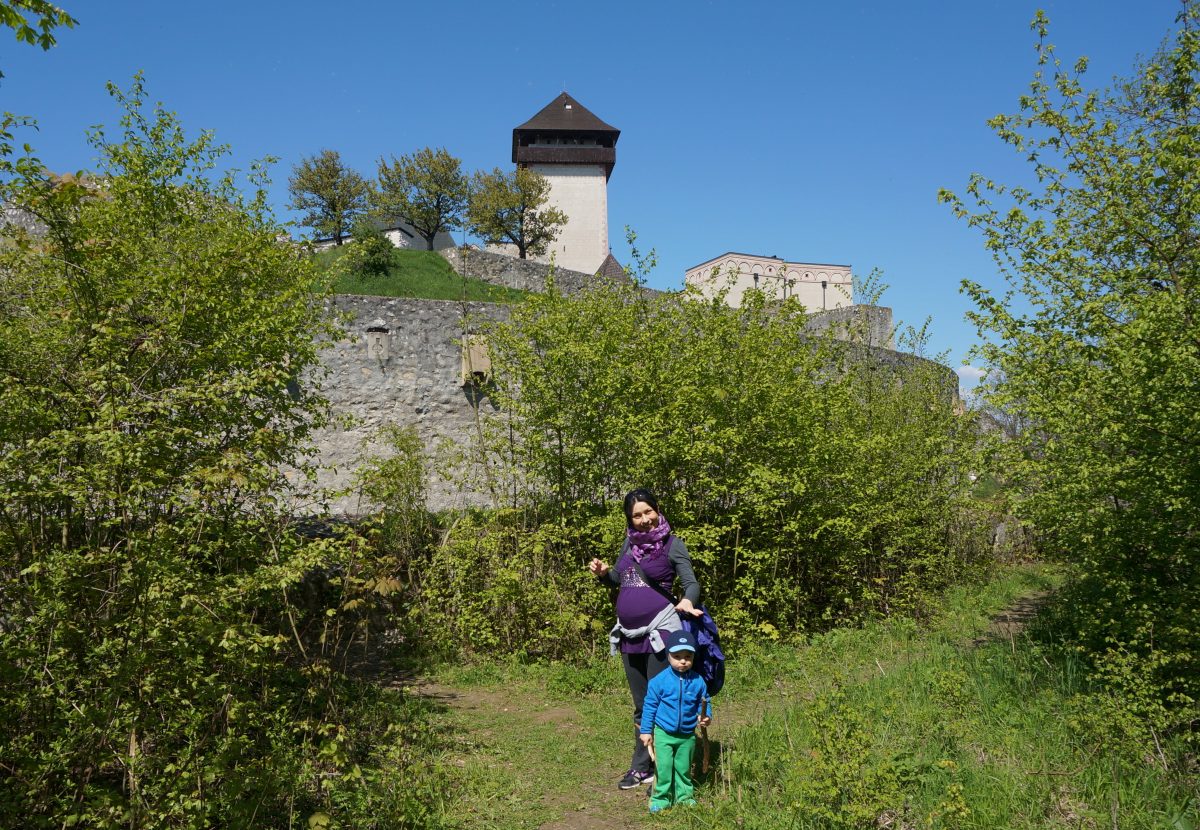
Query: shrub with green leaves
{"points": [[1095, 354], [814, 480], [156, 340]]}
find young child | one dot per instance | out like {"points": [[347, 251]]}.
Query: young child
{"points": [[676, 701]]}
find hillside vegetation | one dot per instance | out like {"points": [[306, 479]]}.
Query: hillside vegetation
{"points": [[421, 274]]}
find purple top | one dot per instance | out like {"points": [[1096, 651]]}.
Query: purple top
{"points": [[637, 603]]}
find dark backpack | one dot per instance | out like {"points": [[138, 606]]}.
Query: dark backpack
{"points": [[710, 659]]}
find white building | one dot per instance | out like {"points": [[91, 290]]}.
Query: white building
{"points": [[817, 286], [576, 152]]}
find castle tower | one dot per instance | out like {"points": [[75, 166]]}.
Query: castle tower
{"points": [[576, 152]]}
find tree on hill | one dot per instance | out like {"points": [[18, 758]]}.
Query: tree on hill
{"points": [[511, 208], [428, 189], [332, 194], [1097, 349]]}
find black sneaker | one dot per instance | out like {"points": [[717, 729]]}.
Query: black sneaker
{"points": [[633, 778]]}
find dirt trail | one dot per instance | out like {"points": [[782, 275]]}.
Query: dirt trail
{"points": [[583, 796]]}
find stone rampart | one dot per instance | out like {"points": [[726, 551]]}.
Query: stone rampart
{"points": [[523, 274], [868, 325], [401, 364]]}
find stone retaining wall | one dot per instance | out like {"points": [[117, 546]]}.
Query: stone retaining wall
{"points": [[523, 274]]}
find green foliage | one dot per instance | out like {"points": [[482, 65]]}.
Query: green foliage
{"points": [[158, 665], [1096, 356], [38, 31], [836, 780], [499, 585], [371, 254], [891, 726], [331, 194], [511, 208], [428, 189], [812, 482], [412, 274]]}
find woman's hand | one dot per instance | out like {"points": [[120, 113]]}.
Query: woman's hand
{"points": [[597, 567], [704, 720], [646, 740], [684, 606]]}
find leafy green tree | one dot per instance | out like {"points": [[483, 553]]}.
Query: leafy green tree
{"points": [[512, 208], [332, 194], [428, 189], [157, 351], [38, 30], [1097, 352]]}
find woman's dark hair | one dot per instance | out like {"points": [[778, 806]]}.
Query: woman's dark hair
{"points": [[633, 497]]}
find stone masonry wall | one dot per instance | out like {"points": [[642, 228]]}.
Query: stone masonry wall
{"points": [[866, 324], [402, 364], [524, 274]]}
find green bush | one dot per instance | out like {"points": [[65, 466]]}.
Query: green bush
{"points": [[157, 665], [813, 480], [1094, 357]]}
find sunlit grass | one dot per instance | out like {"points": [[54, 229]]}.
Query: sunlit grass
{"points": [[419, 274]]}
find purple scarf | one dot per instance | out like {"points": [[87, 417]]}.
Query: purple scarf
{"points": [[649, 542]]}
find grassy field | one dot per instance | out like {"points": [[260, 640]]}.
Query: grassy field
{"points": [[963, 723], [422, 274]]}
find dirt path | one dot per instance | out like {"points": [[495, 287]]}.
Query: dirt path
{"points": [[500, 733], [1010, 622]]}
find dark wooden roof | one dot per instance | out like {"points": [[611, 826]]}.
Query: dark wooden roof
{"points": [[565, 113], [566, 132], [610, 269]]}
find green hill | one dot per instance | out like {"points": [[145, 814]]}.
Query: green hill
{"points": [[422, 274]]}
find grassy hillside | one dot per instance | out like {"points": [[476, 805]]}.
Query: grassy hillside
{"points": [[423, 274]]}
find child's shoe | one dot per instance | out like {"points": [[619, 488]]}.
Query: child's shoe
{"points": [[633, 778]]}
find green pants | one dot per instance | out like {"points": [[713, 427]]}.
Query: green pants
{"points": [[672, 768]]}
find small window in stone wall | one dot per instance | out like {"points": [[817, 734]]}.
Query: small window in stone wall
{"points": [[377, 343], [476, 363]]}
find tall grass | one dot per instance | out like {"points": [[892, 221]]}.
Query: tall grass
{"points": [[899, 728]]}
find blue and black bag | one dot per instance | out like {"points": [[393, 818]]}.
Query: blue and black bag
{"points": [[710, 659]]}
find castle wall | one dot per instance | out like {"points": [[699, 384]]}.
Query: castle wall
{"points": [[869, 325], [407, 374], [524, 274]]}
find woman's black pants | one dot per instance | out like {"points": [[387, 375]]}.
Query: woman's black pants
{"points": [[639, 671]]}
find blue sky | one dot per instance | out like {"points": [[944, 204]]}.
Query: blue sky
{"points": [[814, 132]]}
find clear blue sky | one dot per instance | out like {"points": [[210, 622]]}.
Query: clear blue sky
{"points": [[814, 132]]}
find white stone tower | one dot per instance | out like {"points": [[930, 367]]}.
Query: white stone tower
{"points": [[576, 152]]}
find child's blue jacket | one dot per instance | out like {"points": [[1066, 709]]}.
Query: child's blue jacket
{"points": [[674, 702]]}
